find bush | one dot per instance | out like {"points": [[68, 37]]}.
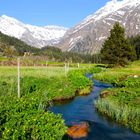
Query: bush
{"points": [[96, 70], [34, 125], [25, 118], [78, 79]]}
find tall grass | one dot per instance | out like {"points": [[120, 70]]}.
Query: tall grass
{"points": [[125, 115], [33, 71], [122, 107], [32, 78], [42, 79], [122, 103]]}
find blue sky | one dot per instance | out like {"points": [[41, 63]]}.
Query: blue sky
{"points": [[65, 13]]}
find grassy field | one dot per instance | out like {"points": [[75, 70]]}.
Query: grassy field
{"points": [[122, 103], [33, 71], [38, 78], [117, 75], [40, 61], [27, 117]]}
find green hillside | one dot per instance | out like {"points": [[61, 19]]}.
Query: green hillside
{"points": [[14, 46]]}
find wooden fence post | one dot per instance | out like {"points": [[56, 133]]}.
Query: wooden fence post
{"points": [[65, 67], [18, 66], [78, 65]]}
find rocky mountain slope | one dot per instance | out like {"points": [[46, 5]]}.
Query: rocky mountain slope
{"points": [[32, 35], [89, 35]]}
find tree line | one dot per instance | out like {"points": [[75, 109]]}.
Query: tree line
{"points": [[116, 50], [11, 47]]}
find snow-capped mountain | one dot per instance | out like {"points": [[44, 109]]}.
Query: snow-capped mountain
{"points": [[89, 35], [32, 35]]}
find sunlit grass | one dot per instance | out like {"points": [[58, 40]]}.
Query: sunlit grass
{"points": [[51, 80], [33, 71], [116, 75]]}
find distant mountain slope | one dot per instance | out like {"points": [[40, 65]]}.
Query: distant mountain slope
{"points": [[88, 36], [20, 46], [32, 35], [12, 47]]}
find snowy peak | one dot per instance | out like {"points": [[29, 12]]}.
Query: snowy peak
{"points": [[32, 35], [55, 27], [11, 26], [111, 7], [117, 4], [88, 36], [10, 19]]}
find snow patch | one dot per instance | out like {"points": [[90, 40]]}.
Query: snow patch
{"points": [[72, 42], [101, 38]]}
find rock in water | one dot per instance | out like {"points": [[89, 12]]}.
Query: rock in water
{"points": [[78, 131]]}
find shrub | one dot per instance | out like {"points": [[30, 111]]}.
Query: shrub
{"points": [[78, 79], [25, 118]]}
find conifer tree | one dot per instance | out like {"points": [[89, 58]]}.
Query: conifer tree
{"points": [[135, 41], [116, 50]]}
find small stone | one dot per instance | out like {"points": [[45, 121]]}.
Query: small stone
{"points": [[136, 76], [78, 131], [105, 94]]}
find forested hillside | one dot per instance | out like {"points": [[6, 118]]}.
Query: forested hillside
{"points": [[11, 47], [11, 44]]}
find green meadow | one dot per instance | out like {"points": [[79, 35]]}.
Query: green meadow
{"points": [[28, 117], [121, 103]]}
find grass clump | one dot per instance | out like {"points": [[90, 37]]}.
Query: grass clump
{"points": [[122, 105], [81, 83]]}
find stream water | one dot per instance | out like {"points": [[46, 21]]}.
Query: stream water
{"points": [[82, 109]]}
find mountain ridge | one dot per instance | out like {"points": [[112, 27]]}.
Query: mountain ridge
{"points": [[89, 35], [33, 35]]}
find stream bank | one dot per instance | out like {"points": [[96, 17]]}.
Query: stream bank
{"points": [[81, 109]]}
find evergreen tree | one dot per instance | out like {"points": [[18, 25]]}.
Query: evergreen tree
{"points": [[116, 49], [135, 41]]}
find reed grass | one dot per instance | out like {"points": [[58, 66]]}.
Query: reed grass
{"points": [[122, 103]]}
